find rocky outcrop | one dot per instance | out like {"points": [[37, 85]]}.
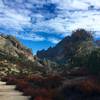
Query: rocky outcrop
{"points": [[16, 58], [66, 48], [10, 46]]}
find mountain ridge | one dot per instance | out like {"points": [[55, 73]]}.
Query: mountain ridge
{"points": [[67, 47]]}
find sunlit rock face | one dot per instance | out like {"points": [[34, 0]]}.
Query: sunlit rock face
{"points": [[13, 56], [10, 46]]}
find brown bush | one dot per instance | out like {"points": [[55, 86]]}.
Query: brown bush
{"points": [[22, 84], [90, 86]]}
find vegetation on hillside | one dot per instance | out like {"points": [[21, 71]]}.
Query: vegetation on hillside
{"points": [[74, 77], [87, 54]]}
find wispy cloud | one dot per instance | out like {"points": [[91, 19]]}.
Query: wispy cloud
{"points": [[54, 40], [50, 16], [30, 37]]}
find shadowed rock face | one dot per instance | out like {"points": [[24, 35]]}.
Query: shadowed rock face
{"points": [[58, 52], [67, 47]]}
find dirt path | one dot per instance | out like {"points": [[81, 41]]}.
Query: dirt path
{"points": [[8, 92]]}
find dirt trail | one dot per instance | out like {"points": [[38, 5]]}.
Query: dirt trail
{"points": [[8, 92]]}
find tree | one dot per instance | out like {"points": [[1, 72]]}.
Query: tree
{"points": [[93, 63]]}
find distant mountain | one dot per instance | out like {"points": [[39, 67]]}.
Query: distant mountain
{"points": [[66, 48]]}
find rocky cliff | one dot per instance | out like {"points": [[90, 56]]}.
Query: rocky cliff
{"points": [[16, 58], [11, 46], [66, 48]]}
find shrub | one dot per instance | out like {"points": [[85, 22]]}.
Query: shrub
{"points": [[11, 81], [91, 61], [22, 84]]}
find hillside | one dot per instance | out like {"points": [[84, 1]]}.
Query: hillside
{"points": [[45, 79], [11, 46], [16, 58]]}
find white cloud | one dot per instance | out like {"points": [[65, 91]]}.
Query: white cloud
{"points": [[56, 24], [69, 15], [65, 22], [1, 4], [54, 40], [71, 4], [13, 19], [76, 4], [97, 34], [31, 37], [19, 1]]}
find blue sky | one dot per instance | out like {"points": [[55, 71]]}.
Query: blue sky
{"points": [[39, 24]]}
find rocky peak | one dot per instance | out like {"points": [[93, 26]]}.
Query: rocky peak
{"points": [[67, 47]]}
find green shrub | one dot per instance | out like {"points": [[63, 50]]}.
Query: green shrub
{"points": [[91, 61]]}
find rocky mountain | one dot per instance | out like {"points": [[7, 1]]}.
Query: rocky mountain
{"points": [[66, 48], [16, 58], [11, 46]]}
